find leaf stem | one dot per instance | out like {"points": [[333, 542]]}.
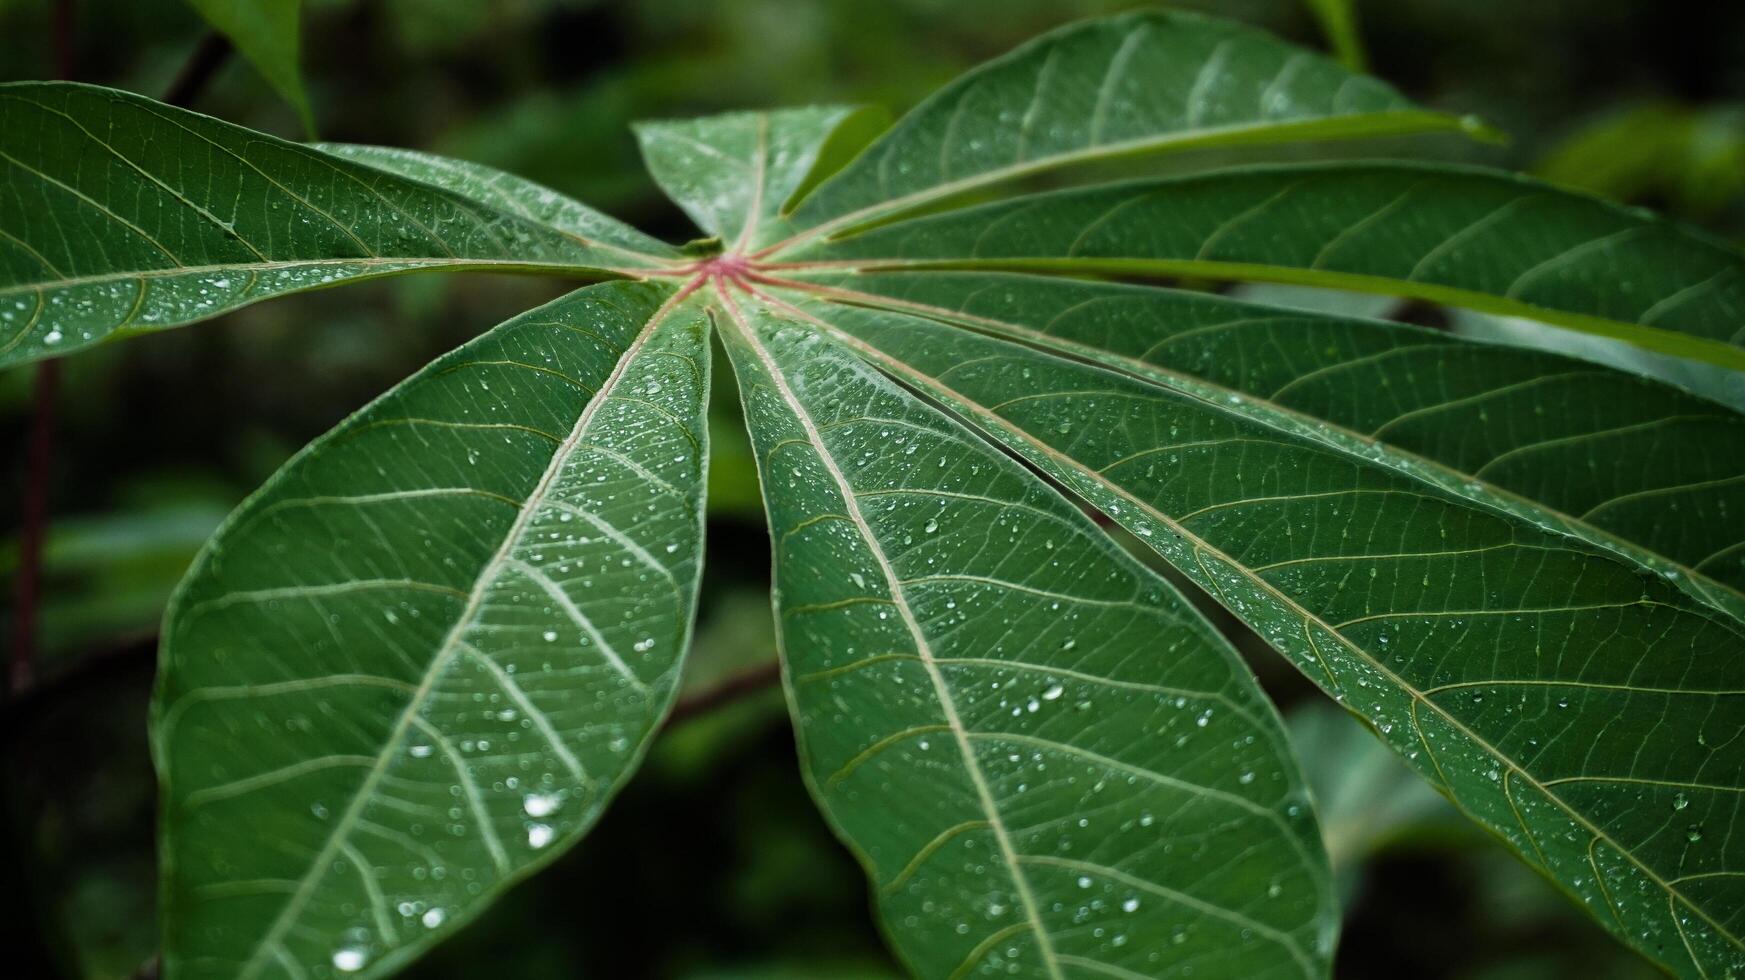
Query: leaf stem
{"points": [[39, 460], [208, 56], [731, 689]]}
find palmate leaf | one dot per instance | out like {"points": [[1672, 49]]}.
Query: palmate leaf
{"points": [[1582, 704], [1482, 239], [123, 215], [1049, 764], [419, 661]]}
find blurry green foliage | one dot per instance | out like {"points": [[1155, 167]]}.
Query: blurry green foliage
{"points": [[1687, 159], [267, 33]]}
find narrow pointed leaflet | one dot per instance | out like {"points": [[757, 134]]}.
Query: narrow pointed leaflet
{"points": [[734, 174], [1580, 704], [1048, 763], [1144, 82], [417, 663], [1659, 467], [122, 215], [269, 35], [1482, 239]]}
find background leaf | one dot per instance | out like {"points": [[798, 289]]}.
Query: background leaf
{"points": [[1339, 22], [419, 662], [269, 34]]}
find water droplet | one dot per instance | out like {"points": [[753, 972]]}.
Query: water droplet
{"points": [[1052, 692], [550, 636], [1680, 801], [540, 804], [433, 918], [1694, 833], [1130, 905], [539, 835], [349, 959]]}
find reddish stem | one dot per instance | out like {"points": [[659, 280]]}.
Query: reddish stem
{"points": [[731, 689]]}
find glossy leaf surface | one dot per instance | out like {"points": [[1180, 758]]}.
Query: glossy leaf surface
{"points": [[1484, 239], [419, 661], [123, 215], [1145, 82], [1049, 764], [1582, 705], [1498, 426], [735, 174]]}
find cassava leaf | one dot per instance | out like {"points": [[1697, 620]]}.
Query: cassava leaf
{"points": [[122, 215], [1048, 763], [1499, 426], [1482, 239], [1144, 82], [1580, 704], [417, 663], [507, 193], [269, 34], [734, 174]]}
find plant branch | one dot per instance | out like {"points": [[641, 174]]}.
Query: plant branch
{"points": [[196, 73], [731, 689], [27, 587], [208, 56]]}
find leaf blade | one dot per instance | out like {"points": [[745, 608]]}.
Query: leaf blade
{"points": [[1145, 82], [1460, 236], [1507, 665], [412, 595], [110, 228], [507, 192], [1314, 375], [858, 597], [735, 173], [269, 33]]}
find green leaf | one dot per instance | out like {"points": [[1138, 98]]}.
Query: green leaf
{"points": [[1145, 82], [1338, 20], [1583, 705], [417, 663], [1482, 239], [1048, 763], [269, 35], [1491, 424], [122, 215], [1365, 796], [506, 193], [734, 173]]}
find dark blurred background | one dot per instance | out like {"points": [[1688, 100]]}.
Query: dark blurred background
{"points": [[713, 863]]}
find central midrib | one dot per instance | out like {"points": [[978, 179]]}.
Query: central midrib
{"points": [[451, 644], [941, 690]]}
